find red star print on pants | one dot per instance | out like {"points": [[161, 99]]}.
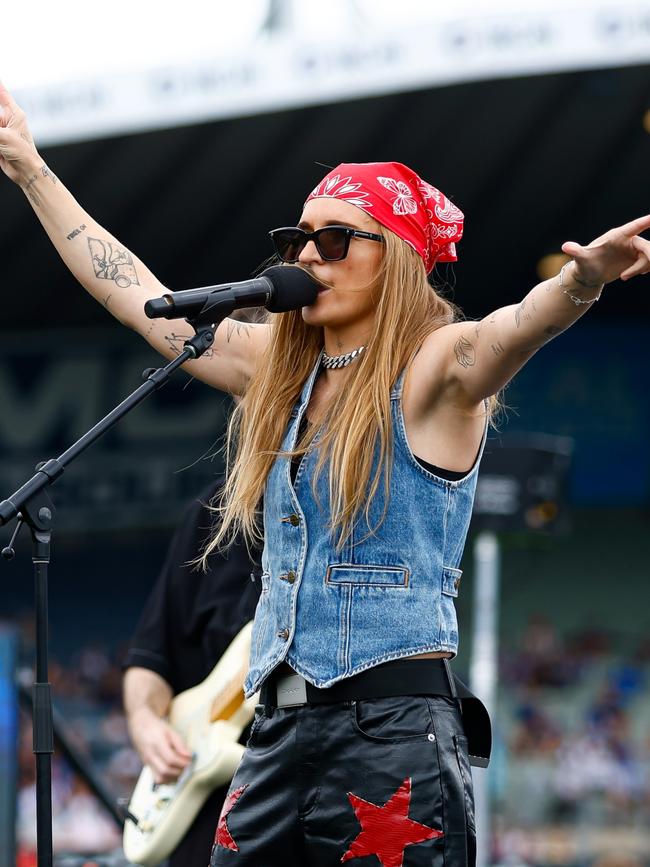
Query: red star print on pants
{"points": [[385, 831], [223, 837]]}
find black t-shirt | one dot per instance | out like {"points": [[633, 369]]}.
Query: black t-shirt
{"points": [[187, 623], [191, 616]]}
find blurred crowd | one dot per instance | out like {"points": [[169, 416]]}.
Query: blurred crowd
{"points": [[572, 770], [570, 777]]}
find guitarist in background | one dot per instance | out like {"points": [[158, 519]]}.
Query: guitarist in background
{"points": [[187, 623]]}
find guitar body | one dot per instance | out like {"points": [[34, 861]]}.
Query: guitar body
{"points": [[210, 717]]}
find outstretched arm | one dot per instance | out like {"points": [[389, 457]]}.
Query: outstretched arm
{"points": [[481, 357], [110, 272]]}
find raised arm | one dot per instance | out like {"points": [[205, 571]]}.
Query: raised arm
{"points": [[481, 357], [111, 273]]}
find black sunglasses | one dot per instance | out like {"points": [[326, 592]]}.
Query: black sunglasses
{"points": [[332, 242]]}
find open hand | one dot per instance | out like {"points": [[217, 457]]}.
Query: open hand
{"points": [[618, 254], [16, 142]]}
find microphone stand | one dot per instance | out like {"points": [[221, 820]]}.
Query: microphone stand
{"points": [[31, 504]]}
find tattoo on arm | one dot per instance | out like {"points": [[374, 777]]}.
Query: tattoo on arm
{"points": [[75, 232], [497, 348], [549, 332], [106, 300], [112, 262], [31, 192], [520, 313], [464, 351], [176, 342], [48, 174], [239, 327]]}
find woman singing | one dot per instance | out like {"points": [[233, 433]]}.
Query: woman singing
{"points": [[361, 427]]}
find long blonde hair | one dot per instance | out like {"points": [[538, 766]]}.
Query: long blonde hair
{"points": [[407, 309]]}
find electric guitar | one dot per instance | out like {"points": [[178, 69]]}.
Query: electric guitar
{"points": [[210, 718]]}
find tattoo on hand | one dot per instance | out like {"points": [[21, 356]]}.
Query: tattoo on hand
{"points": [[177, 341], [75, 232], [497, 349], [464, 351], [27, 138], [112, 263], [239, 327]]}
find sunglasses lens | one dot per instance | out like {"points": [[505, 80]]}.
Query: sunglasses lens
{"points": [[289, 245], [332, 243]]}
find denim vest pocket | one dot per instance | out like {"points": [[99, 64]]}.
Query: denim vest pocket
{"points": [[393, 720], [367, 575], [451, 580]]}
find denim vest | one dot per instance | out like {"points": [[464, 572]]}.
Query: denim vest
{"points": [[384, 595]]}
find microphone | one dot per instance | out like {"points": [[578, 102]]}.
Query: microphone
{"points": [[279, 288]]}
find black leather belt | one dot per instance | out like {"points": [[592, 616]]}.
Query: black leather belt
{"points": [[397, 677]]}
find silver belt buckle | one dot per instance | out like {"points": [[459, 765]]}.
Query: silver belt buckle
{"points": [[291, 690]]}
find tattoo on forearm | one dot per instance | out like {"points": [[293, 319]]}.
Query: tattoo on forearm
{"points": [[112, 263], [31, 192], [106, 300], [497, 348], [233, 325], [177, 341], [48, 174], [75, 232], [464, 351], [477, 328], [549, 332], [520, 313]]}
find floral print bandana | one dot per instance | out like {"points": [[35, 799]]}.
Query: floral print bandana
{"points": [[401, 201]]}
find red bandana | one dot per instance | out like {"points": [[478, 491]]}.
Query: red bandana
{"points": [[401, 201]]}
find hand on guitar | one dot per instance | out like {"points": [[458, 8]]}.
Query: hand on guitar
{"points": [[158, 745]]}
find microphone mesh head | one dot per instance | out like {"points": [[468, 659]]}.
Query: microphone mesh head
{"points": [[292, 288]]}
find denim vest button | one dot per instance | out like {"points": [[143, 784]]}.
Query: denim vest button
{"points": [[294, 520], [284, 634], [289, 576]]}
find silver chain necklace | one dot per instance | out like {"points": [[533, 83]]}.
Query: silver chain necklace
{"points": [[332, 362]]}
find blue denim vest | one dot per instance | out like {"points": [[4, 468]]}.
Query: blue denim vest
{"points": [[385, 595]]}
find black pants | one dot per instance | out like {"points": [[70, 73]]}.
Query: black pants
{"points": [[323, 784]]}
